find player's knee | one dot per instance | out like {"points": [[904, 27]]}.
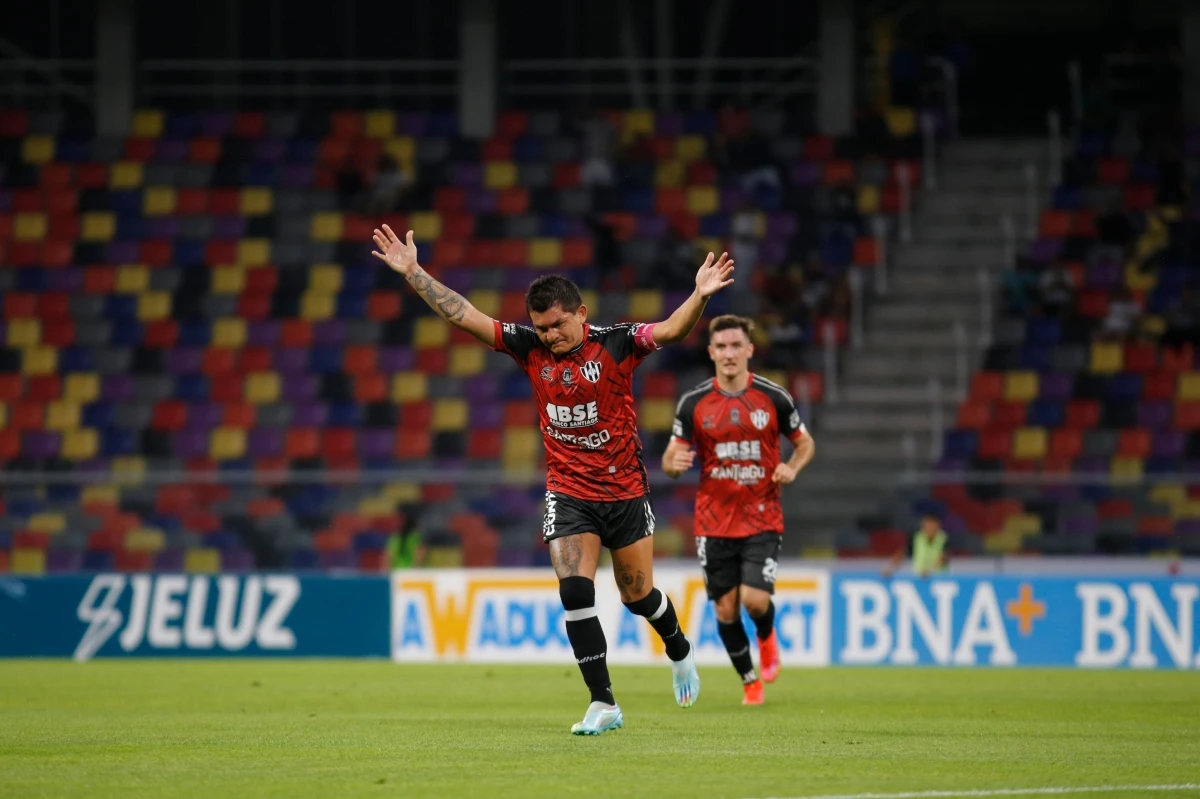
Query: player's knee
{"points": [[727, 607], [577, 593], [756, 604], [652, 605]]}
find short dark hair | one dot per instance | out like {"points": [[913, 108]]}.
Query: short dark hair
{"points": [[729, 322], [550, 290]]}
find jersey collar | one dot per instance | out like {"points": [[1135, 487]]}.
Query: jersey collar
{"points": [[723, 392]]}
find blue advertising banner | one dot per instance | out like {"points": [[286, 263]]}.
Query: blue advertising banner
{"points": [[148, 615], [1090, 622]]}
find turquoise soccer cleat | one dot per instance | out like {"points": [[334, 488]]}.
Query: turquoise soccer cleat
{"points": [[599, 718], [687, 679]]}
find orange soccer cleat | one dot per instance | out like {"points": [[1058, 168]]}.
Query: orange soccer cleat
{"points": [[754, 693], [768, 651]]}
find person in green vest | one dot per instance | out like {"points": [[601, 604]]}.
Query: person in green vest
{"points": [[927, 549], [406, 549]]}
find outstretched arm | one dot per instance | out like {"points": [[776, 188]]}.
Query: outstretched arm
{"points": [[401, 256], [709, 280]]}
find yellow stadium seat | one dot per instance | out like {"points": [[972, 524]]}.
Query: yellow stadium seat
{"points": [[253, 252], [227, 443], [379, 124], [1003, 543], [256, 201], [263, 387], [202, 561], [466, 360], [591, 299], [902, 122], [62, 415], [1022, 524], [545, 252], [316, 307], [668, 542], [1154, 325], [1138, 279], [125, 175], [229, 333], [376, 506], [487, 301], [82, 387], [132, 279], [657, 414], [431, 331], [81, 444], [1107, 358], [522, 447], [325, 278], [1127, 470], [39, 361], [1170, 493], [399, 493], [1187, 510], [449, 415], [690, 148], [639, 122], [154, 305], [327, 226], [3, 415], [100, 493], [1189, 386], [444, 558], [24, 332], [38, 149], [703, 200], [98, 226], [1029, 443], [129, 467], [409, 387], [868, 199], [669, 174], [28, 561], [145, 539], [47, 521], [818, 553], [425, 225], [228, 280], [646, 305], [499, 175], [776, 376], [1020, 386], [158, 201], [148, 123], [707, 244], [402, 149], [29, 226]]}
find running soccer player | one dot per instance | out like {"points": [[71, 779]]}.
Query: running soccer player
{"points": [[734, 421], [597, 490]]}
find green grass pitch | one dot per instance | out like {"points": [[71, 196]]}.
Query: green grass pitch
{"points": [[340, 728]]}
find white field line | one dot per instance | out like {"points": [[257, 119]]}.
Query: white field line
{"points": [[968, 794]]}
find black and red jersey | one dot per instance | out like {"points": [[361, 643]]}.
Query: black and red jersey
{"points": [[736, 437], [585, 402]]}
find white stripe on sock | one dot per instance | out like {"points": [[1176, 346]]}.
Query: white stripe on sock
{"points": [[662, 608], [581, 614]]}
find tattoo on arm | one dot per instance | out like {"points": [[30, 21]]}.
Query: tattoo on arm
{"points": [[448, 303]]}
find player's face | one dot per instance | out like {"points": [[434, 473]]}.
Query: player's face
{"points": [[559, 330], [730, 351]]}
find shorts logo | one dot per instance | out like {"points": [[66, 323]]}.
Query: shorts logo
{"points": [[548, 374], [735, 417], [760, 418], [567, 377], [770, 567], [700, 553], [551, 515], [590, 371]]}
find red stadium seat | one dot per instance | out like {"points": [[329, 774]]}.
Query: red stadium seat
{"points": [[302, 442], [1083, 414], [1009, 414], [413, 444], [370, 387], [1134, 443], [1159, 386], [485, 444]]}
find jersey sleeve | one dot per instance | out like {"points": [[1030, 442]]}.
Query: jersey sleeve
{"points": [[515, 340], [685, 418], [631, 341], [790, 424]]}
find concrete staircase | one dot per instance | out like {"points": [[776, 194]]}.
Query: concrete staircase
{"points": [[884, 392]]}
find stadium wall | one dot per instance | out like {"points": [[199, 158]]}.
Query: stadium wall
{"points": [[514, 616]]}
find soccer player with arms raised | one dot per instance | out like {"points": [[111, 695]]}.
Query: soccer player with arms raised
{"points": [[597, 491], [734, 421]]}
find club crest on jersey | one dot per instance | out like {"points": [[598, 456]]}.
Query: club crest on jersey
{"points": [[548, 374], [708, 424], [590, 371], [760, 418], [567, 377], [735, 417]]}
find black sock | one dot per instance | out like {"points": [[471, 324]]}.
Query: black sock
{"points": [[737, 644], [587, 636], [765, 623], [656, 607]]}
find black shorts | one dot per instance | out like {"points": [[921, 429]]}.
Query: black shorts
{"points": [[619, 523], [730, 562]]}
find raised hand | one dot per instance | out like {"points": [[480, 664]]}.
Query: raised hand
{"points": [[713, 277], [401, 256]]}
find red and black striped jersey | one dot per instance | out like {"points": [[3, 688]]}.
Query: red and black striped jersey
{"points": [[736, 437], [585, 402]]}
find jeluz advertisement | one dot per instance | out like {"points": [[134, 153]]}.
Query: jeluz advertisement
{"points": [[515, 616], [177, 615], [1013, 621]]}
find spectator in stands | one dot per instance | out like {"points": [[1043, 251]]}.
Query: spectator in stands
{"points": [[349, 181], [1020, 286], [1113, 226], [599, 139], [605, 250], [388, 186], [1123, 313], [927, 548], [676, 256], [871, 131], [406, 549], [784, 341], [1056, 289]]}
